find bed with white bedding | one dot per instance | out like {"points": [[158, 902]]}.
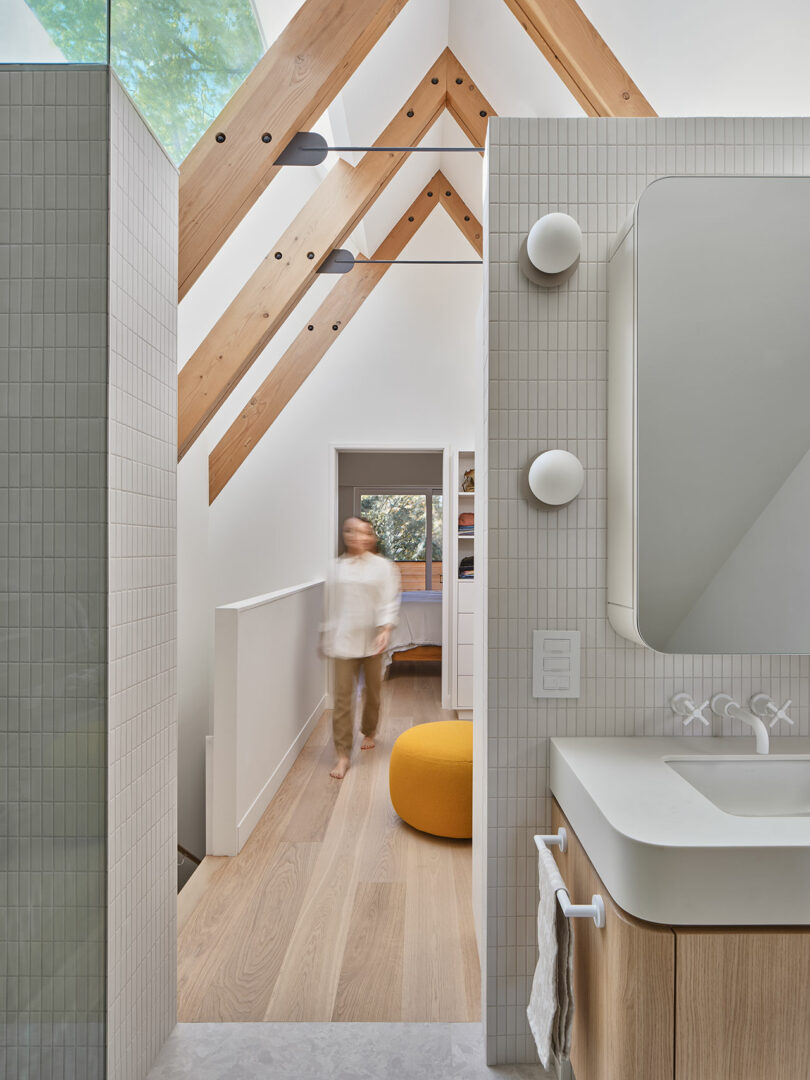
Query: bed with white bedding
{"points": [[419, 628]]}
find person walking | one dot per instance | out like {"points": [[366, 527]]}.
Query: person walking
{"points": [[361, 609]]}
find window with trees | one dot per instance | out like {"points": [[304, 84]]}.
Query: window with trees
{"points": [[408, 524]]}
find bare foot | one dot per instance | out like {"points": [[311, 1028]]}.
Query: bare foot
{"points": [[368, 743], [341, 768]]}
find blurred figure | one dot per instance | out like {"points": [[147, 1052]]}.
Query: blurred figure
{"points": [[361, 609]]}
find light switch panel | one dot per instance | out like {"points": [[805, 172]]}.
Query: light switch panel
{"points": [[555, 666]]}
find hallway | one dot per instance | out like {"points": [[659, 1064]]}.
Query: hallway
{"points": [[334, 909]]}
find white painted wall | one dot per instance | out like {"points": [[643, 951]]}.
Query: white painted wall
{"points": [[195, 646], [711, 57], [401, 372], [199, 310], [270, 690], [244, 250], [505, 63], [387, 76]]}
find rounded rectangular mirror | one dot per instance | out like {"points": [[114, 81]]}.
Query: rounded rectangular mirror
{"points": [[709, 425]]}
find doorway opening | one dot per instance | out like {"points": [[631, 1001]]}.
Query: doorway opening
{"points": [[401, 493], [335, 909]]}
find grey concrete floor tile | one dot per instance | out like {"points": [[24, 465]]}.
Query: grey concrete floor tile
{"points": [[332, 1052], [306, 1052], [468, 1059]]}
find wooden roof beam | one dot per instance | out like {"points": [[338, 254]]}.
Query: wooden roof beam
{"points": [[283, 277], [573, 47], [333, 315], [298, 76], [465, 102]]}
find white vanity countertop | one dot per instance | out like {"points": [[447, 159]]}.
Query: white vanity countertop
{"points": [[665, 852]]}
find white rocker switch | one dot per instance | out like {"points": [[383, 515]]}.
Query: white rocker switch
{"points": [[555, 666]]}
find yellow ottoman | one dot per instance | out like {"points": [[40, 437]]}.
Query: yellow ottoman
{"points": [[430, 777]]}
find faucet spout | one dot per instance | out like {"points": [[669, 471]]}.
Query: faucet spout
{"points": [[723, 705]]}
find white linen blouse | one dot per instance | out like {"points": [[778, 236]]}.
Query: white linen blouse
{"points": [[362, 594]]}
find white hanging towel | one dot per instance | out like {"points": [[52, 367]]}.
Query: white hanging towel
{"points": [[551, 1006]]}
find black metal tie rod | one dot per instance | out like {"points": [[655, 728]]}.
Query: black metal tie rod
{"points": [[310, 148], [341, 261]]}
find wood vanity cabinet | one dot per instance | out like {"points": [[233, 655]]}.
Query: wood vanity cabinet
{"points": [[659, 1002], [624, 982]]}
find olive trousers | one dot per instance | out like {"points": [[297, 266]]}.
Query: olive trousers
{"points": [[347, 672]]}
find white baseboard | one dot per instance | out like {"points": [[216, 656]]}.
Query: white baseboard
{"points": [[209, 792], [248, 823], [464, 714]]}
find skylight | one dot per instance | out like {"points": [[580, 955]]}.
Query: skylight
{"points": [[180, 60]]}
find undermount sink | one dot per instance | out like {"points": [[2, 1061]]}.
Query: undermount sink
{"points": [[750, 787], [692, 831]]}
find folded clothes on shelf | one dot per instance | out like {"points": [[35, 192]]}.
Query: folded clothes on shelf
{"points": [[466, 568], [466, 524]]}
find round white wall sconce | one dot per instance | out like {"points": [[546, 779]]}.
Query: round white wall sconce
{"points": [[556, 477], [550, 253]]}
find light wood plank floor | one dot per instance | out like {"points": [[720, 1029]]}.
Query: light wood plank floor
{"points": [[335, 909]]}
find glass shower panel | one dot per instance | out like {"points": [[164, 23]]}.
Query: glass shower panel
{"points": [[53, 578], [54, 32], [179, 60]]}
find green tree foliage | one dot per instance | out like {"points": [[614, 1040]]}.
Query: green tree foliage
{"points": [[438, 528], [180, 60], [400, 523]]}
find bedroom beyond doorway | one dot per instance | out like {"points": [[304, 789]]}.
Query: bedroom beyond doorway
{"points": [[402, 495]]}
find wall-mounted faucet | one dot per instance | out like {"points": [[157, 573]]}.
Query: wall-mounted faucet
{"points": [[725, 706], [682, 705], [766, 709]]}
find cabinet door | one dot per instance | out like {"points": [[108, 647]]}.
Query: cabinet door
{"points": [[464, 660], [624, 982], [466, 596], [466, 629], [464, 691], [743, 1008]]}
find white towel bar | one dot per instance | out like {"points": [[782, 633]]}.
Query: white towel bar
{"points": [[596, 909], [558, 839]]}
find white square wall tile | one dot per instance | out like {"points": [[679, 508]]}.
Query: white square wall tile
{"points": [[547, 379], [142, 594]]}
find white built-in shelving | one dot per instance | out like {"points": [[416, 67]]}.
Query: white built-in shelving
{"points": [[464, 591]]}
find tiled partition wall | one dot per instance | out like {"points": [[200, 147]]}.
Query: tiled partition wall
{"points": [[53, 570], [547, 387], [88, 234], [142, 442]]}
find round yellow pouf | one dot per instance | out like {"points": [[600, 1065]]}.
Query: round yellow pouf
{"points": [[430, 777]]}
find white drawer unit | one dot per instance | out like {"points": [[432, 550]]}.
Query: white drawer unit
{"points": [[466, 597], [466, 625], [464, 660], [464, 691]]}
